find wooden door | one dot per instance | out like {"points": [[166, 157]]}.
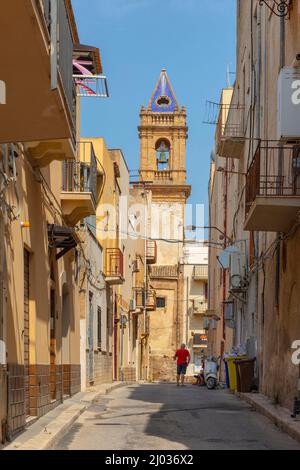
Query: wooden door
{"points": [[26, 332], [52, 345]]}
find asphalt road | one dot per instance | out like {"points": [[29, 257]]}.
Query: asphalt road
{"points": [[166, 417]]}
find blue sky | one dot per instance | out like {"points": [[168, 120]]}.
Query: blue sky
{"points": [[193, 39]]}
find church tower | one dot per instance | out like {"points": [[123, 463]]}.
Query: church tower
{"points": [[163, 134]]}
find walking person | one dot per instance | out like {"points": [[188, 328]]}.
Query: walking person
{"points": [[183, 359]]}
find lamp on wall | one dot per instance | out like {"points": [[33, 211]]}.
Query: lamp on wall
{"points": [[280, 8]]}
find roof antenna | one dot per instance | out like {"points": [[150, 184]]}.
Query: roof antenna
{"points": [[228, 76]]}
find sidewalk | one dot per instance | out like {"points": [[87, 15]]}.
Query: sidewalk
{"points": [[281, 417], [49, 429]]}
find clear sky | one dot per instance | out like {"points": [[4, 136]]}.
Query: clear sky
{"points": [[193, 39]]}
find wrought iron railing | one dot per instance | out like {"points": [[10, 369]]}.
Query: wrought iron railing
{"points": [[114, 263], [230, 122], [81, 176], [200, 272], [151, 251], [274, 171]]}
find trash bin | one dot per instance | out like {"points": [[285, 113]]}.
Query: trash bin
{"points": [[245, 374], [232, 371]]}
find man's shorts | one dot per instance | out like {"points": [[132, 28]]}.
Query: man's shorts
{"points": [[181, 369]]}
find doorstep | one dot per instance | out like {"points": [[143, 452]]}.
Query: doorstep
{"points": [[46, 432], [280, 416]]}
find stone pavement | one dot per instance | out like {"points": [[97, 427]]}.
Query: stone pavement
{"points": [[281, 417], [49, 429], [165, 417]]}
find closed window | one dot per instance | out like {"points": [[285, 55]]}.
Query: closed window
{"points": [[161, 302]]}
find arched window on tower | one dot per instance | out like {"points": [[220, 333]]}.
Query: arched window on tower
{"points": [[163, 155]]}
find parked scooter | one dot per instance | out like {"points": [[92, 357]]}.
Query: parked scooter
{"points": [[211, 368]]}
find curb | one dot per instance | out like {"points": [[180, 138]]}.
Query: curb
{"points": [[46, 439], [280, 416], [50, 431]]}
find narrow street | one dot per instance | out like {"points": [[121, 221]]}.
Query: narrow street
{"points": [[162, 416]]}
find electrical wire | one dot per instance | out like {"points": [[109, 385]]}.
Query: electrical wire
{"points": [[141, 237]]}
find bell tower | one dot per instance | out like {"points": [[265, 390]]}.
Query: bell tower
{"points": [[163, 133]]}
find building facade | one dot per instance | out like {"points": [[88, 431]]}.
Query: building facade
{"points": [[195, 299], [47, 187], [257, 148]]}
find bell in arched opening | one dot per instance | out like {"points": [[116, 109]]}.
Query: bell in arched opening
{"points": [[163, 155]]}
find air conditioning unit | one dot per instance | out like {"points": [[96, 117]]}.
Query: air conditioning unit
{"points": [[132, 305], [238, 281], [136, 266], [200, 306]]}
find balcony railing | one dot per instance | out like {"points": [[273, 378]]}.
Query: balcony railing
{"points": [[81, 176], [200, 272], [40, 35], [164, 272], [230, 131], [273, 185], [274, 171], [142, 302], [151, 252], [79, 185], [114, 263], [65, 50]]}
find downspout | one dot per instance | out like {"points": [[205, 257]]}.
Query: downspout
{"points": [[225, 244], [187, 310], [258, 136], [280, 161]]}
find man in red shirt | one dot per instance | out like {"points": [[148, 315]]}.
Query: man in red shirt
{"points": [[183, 359]]}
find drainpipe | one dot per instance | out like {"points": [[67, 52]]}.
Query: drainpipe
{"points": [[145, 286], [54, 43], [187, 310], [280, 162], [258, 136]]}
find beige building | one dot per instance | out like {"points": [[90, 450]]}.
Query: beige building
{"points": [[195, 262], [47, 188], [259, 148]]}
